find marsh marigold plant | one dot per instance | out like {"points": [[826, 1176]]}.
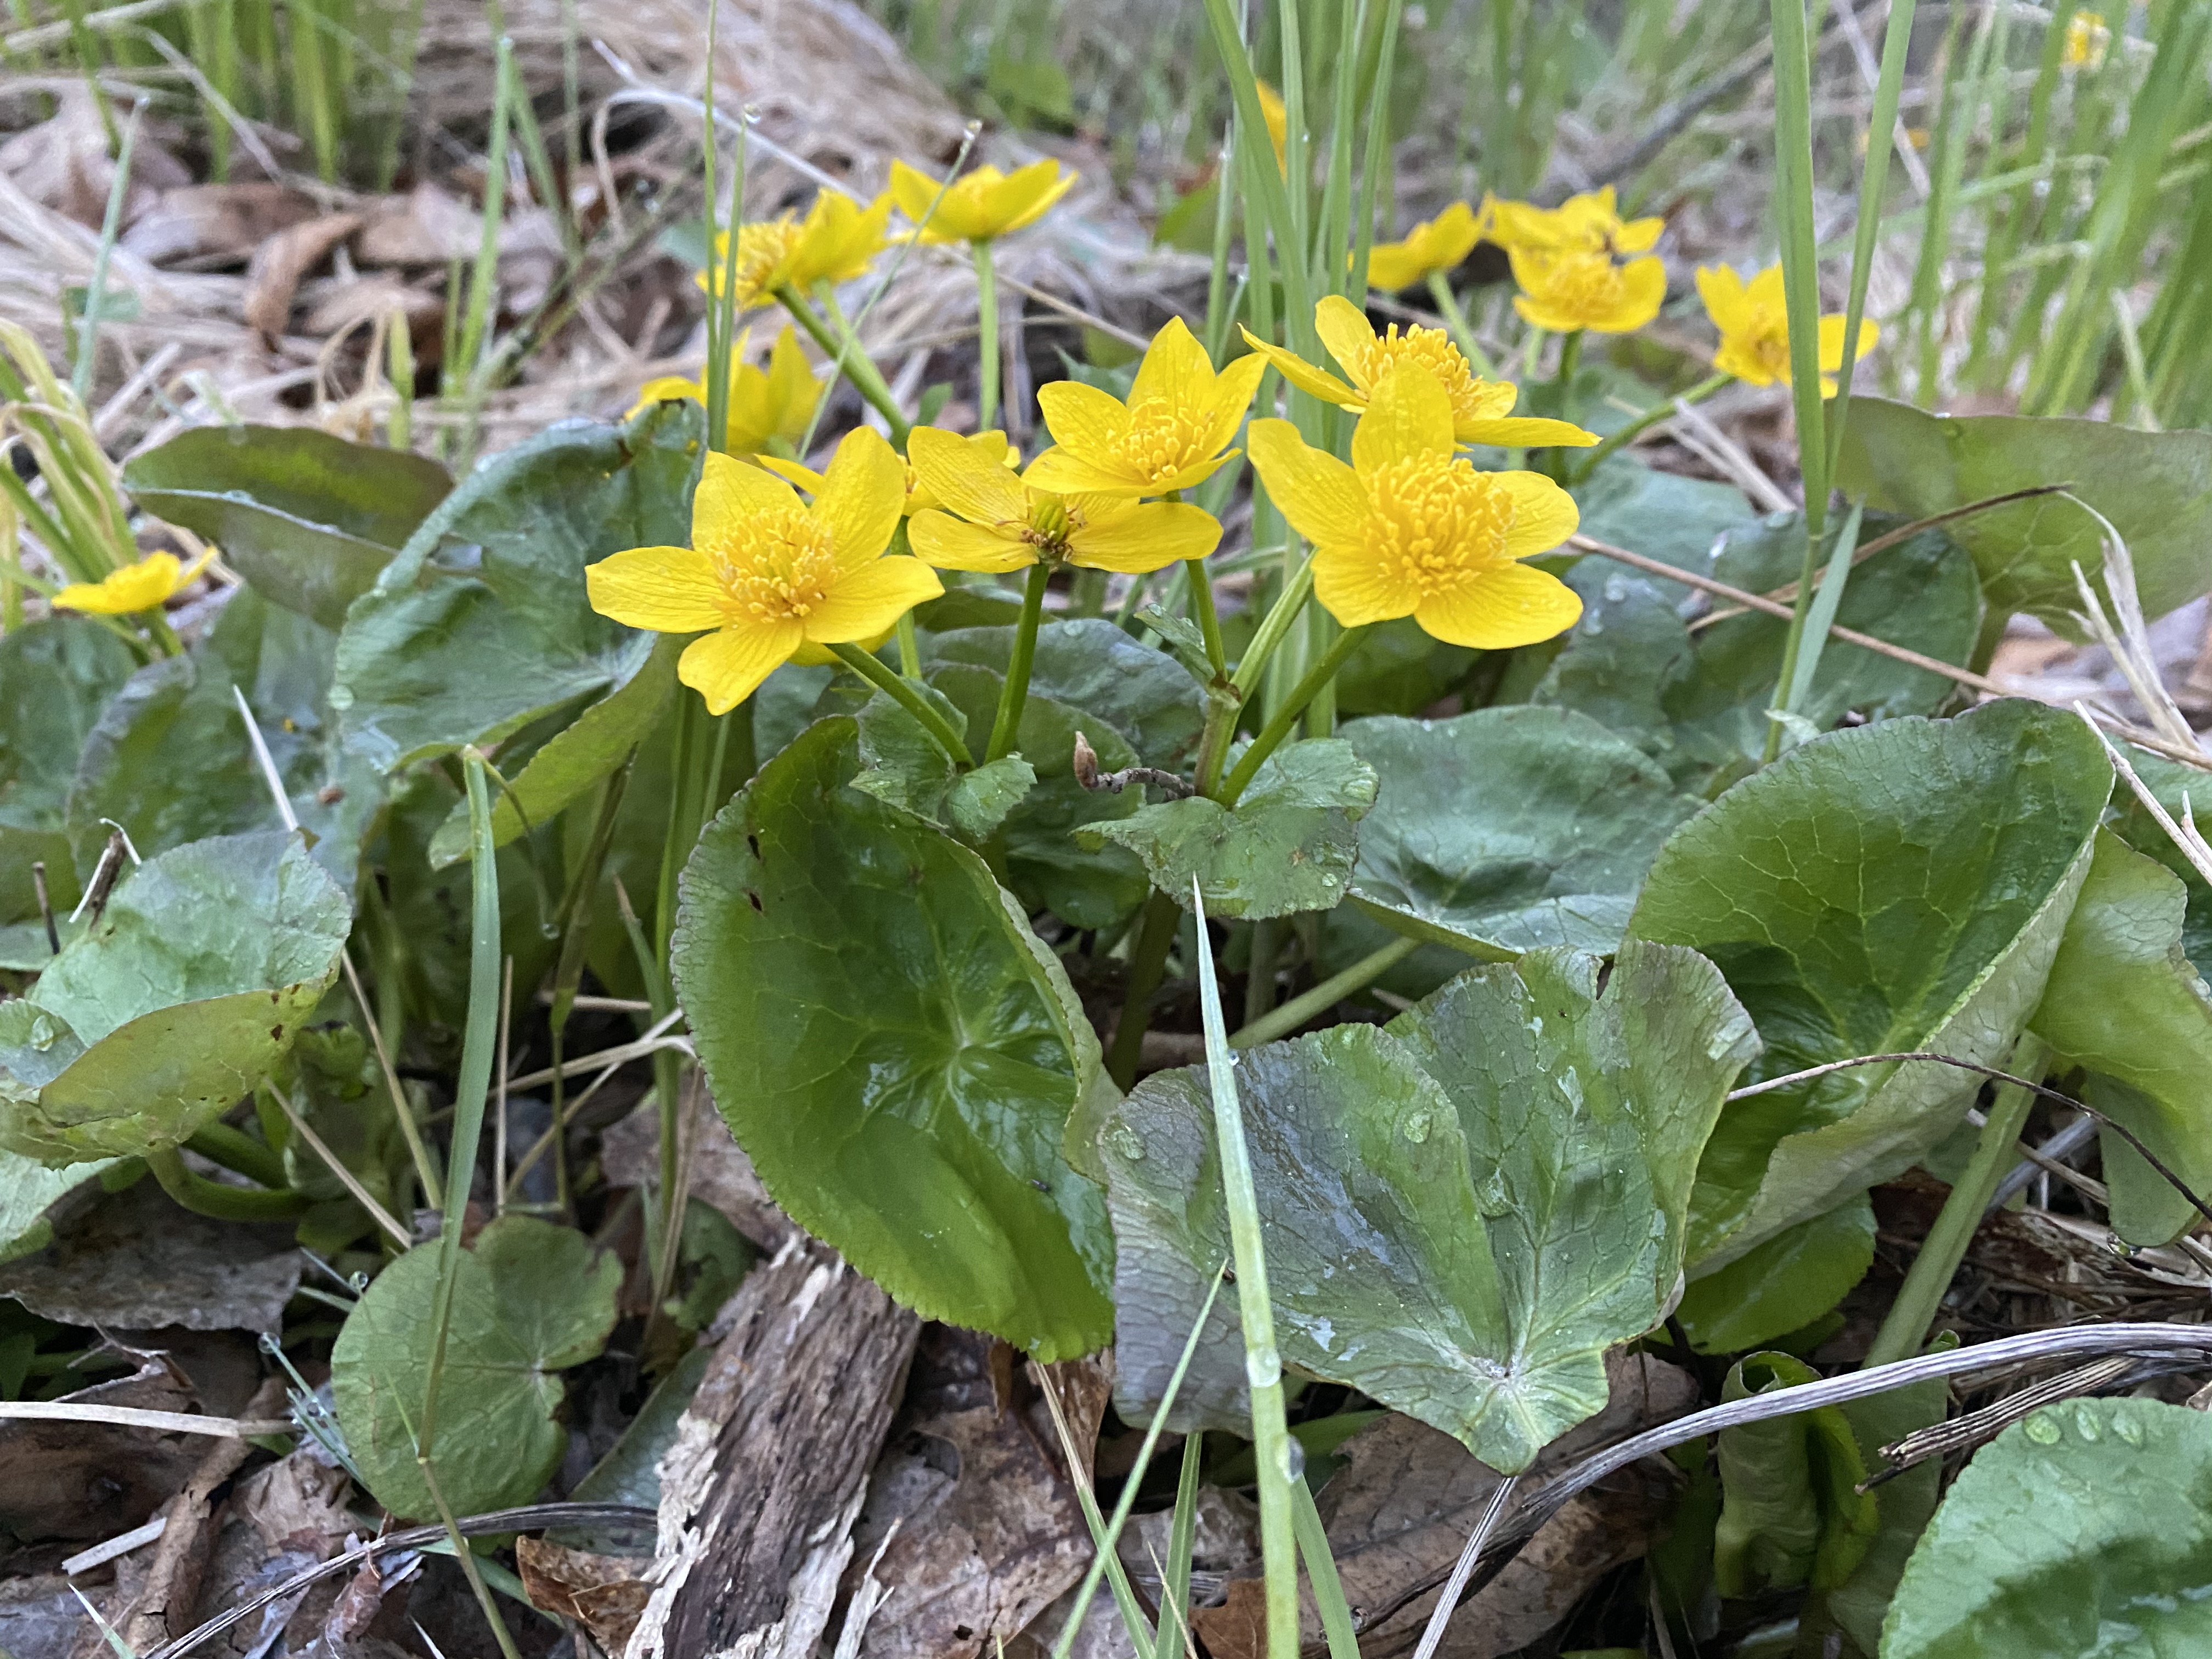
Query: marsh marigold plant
{"points": [[1432, 246], [145, 586], [767, 574], [837, 240], [1172, 433], [766, 408], [1754, 321], [988, 519], [1482, 410], [1409, 529], [982, 205]]}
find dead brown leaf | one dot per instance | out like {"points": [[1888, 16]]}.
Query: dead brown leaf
{"points": [[87, 1480], [721, 1174], [279, 263], [282, 1519], [1399, 1511], [988, 1528], [426, 227], [138, 1261], [215, 223], [602, 1593]]}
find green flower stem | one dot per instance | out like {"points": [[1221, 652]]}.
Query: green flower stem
{"points": [[864, 664], [234, 1149], [1643, 423], [1456, 321], [1148, 961], [1285, 718], [1306, 1005], [987, 335], [1906, 1327], [851, 361], [1202, 612], [1570, 359], [1263, 1368], [201, 1196], [1007, 724], [909, 648]]}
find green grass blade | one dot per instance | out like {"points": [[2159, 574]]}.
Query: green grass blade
{"points": [[1104, 1542], [1183, 1538], [1874, 184], [1263, 1366], [1336, 1622]]}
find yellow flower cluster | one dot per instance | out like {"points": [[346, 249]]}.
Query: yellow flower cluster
{"points": [[1754, 328], [146, 585]]}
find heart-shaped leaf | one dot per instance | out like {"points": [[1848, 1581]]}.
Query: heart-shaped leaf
{"points": [[2078, 1530], [306, 517], [1287, 845], [2155, 488], [56, 675], [1461, 1212], [530, 1299], [1508, 829], [895, 1050], [154, 1022], [1899, 888], [482, 625], [2125, 1002]]}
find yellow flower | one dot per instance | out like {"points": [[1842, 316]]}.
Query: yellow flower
{"points": [[982, 204], [1277, 115], [141, 586], [1434, 245], [766, 574], [1409, 529], [918, 495], [1753, 320], [777, 404], [2086, 40], [1579, 289], [992, 520], [1172, 433], [1590, 223], [835, 242], [1480, 408]]}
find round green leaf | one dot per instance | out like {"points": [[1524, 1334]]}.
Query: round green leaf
{"points": [[896, 1049], [2084, 1528], [151, 1024], [307, 518], [2155, 488], [1508, 829], [1899, 887], [56, 677], [481, 623], [530, 1299]]}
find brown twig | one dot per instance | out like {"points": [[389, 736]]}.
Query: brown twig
{"points": [[46, 906], [1085, 762]]}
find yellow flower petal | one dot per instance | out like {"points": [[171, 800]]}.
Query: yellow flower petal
{"points": [[1060, 472], [862, 496], [1232, 397], [1643, 283], [1318, 494], [669, 590], [796, 471], [136, 588], [1084, 421], [1147, 536], [665, 389], [1357, 589], [1410, 415], [1500, 609], [1175, 368], [1345, 331], [1028, 194], [949, 543], [1832, 341], [730, 491], [1303, 374], [1525, 432], [1726, 302], [1544, 515], [727, 666], [869, 597], [966, 478], [912, 190]]}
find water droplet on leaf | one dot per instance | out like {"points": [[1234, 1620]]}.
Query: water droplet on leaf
{"points": [[2041, 1429], [1415, 1127], [1124, 1140]]}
